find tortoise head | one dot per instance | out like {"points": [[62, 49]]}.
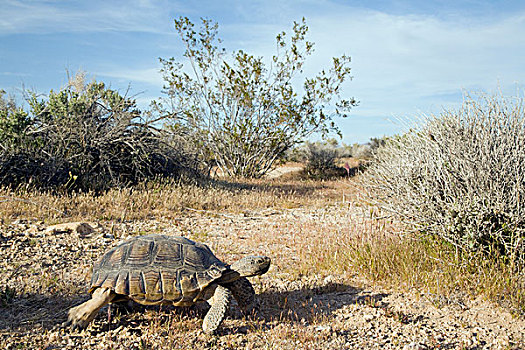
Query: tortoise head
{"points": [[251, 266]]}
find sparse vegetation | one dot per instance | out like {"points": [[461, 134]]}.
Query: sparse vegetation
{"points": [[162, 198], [435, 267], [320, 160], [328, 159]]}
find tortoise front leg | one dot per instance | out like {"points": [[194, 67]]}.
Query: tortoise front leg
{"points": [[244, 293], [80, 316], [219, 304]]}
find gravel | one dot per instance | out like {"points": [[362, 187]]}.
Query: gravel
{"points": [[46, 271]]}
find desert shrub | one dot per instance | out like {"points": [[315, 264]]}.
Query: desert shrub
{"points": [[87, 137], [359, 150], [320, 156], [363, 150], [244, 114], [460, 175], [14, 122], [320, 160], [302, 153]]}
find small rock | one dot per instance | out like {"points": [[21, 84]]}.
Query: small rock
{"points": [[325, 328], [328, 280], [414, 346], [82, 228], [368, 317]]}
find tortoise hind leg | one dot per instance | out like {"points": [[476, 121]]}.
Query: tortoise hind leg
{"points": [[219, 304], [80, 316], [244, 293]]}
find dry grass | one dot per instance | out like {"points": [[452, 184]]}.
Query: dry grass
{"points": [[161, 199], [325, 246], [435, 268]]}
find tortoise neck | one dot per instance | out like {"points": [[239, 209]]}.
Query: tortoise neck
{"points": [[229, 276]]}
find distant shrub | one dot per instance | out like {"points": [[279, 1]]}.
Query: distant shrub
{"points": [[87, 137], [363, 151], [320, 156], [461, 176], [320, 160]]}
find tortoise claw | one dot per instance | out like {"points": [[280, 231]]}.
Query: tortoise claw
{"points": [[73, 325]]}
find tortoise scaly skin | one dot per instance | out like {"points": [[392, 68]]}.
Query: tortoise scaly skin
{"points": [[159, 269]]}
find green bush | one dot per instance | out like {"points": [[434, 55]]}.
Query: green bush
{"points": [[86, 137], [461, 176], [14, 122], [244, 115], [320, 160]]}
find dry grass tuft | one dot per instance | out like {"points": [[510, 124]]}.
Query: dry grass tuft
{"points": [[430, 265]]}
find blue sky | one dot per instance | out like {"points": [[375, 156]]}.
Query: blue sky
{"points": [[409, 58]]}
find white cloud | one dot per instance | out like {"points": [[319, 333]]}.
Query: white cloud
{"points": [[42, 17], [149, 76], [401, 61]]}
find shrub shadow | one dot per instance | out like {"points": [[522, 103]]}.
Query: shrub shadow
{"points": [[301, 188]]}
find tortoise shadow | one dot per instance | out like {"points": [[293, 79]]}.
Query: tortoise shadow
{"points": [[36, 310], [48, 312], [304, 306]]}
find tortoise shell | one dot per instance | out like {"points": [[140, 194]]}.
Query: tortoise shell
{"points": [[156, 269]]}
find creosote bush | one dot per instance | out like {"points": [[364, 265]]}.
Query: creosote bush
{"points": [[244, 113], [460, 176], [85, 137]]}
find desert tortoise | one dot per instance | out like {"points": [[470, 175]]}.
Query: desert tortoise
{"points": [[158, 269]]}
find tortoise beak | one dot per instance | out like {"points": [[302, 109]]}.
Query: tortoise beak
{"points": [[265, 262]]}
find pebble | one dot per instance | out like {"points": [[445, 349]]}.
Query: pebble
{"points": [[414, 346], [323, 328], [368, 317]]}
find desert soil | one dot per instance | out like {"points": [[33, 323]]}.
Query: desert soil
{"points": [[44, 272]]}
